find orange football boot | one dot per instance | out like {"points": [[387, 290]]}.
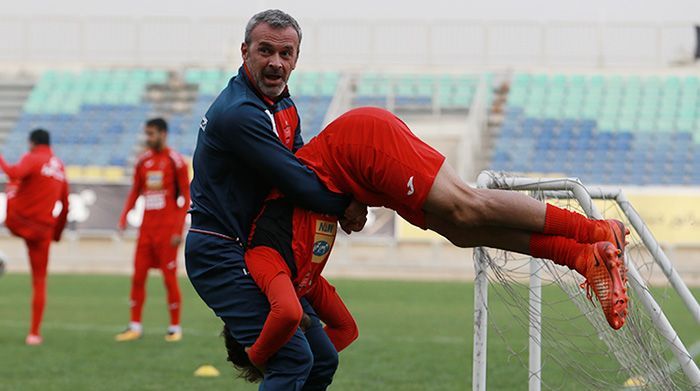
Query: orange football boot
{"points": [[604, 276]]}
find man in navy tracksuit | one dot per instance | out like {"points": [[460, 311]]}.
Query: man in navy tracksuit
{"points": [[245, 148]]}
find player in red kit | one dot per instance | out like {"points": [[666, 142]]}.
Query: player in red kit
{"points": [[36, 184], [161, 177], [372, 155]]}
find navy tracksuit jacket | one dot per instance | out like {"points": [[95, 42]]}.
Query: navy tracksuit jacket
{"points": [[245, 147]]}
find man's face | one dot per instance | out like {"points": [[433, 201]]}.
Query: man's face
{"points": [[271, 57], [155, 138]]}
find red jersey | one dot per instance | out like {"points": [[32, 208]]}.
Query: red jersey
{"points": [[288, 250], [36, 184], [303, 238], [161, 177]]}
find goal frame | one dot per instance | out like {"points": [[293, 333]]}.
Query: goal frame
{"points": [[573, 188]]}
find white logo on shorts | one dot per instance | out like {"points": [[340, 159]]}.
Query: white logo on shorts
{"points": [[411, 190]]}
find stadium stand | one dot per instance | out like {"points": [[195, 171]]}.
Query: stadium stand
{"points": [[602, 128], [96, 116], [637, 130], [411, 92], [14, 90]]}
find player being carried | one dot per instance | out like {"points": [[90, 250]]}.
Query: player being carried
{"points": [[161, 176], [288, 249], [373, 156]]}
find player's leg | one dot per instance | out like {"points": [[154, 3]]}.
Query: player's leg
{"points": [[168, 266], [597, 262], [324, 353], [495, 237], [137, 296], [453, 200], [39, 259], [381, 162], [561, 250]]}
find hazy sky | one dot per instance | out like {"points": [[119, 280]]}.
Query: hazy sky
{"points": [[587, 10]]}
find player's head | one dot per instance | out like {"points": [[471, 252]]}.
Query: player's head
{"points": [[156, 131], [39, 137], [270, 50], [237, 355]]}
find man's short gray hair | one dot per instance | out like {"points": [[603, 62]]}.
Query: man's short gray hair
{"points": [[275, 18]]}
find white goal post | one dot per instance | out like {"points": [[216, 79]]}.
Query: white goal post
{"points": [[573, 189]]}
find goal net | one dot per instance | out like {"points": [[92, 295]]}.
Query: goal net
{"points": [[538, 319]]}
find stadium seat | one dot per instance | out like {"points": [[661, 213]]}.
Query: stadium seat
{"points": [[649, 121]]}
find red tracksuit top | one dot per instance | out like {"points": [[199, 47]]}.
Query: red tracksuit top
{"points": [[157, 176], [36, 183]]}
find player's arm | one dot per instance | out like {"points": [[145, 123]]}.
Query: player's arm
{"points": [[62, 218], [259, 148], [20, 170], [182, 176], [133, 195], [340, 325], [272, 276]]}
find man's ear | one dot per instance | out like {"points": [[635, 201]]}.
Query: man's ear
{"points": [[294, 65], [244, 51]]}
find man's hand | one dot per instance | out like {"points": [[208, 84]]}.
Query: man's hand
{"points": [[175, 240], [260, 367], [350, 227], [355, 217]]}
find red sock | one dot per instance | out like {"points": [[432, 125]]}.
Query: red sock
{"points": [[561, 222], [138, 294], [174, 299], [562, 251], [39, 259], [38, 303]]}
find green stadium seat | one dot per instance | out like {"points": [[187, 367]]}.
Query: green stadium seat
{"points": [[607, 124], [533, 111], [665, 124], [552, 112], [627, 123], [685, 125], [646, 125]]}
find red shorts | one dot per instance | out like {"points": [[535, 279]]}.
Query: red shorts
{"points": [[154, 250], [372, 155]]}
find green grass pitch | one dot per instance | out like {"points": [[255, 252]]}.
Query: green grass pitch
{"points": [[413, 336]]}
